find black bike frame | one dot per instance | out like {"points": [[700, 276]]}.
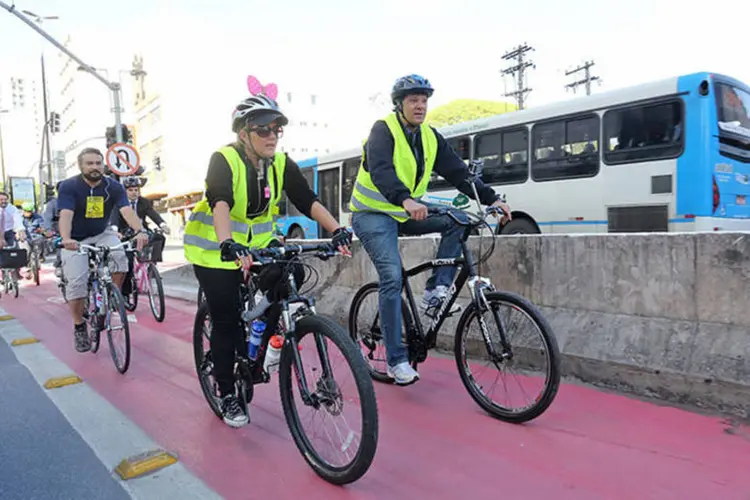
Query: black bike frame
{"points": [[290, 338], [467, 270]]}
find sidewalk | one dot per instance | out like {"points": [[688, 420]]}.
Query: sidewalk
{"points": [[65, 442], [42, 456]]}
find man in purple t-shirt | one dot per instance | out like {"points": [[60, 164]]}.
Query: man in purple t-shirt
{"points": [[85, 203]]}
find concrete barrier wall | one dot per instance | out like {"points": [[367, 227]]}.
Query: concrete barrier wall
{"points": [[664, 315]]}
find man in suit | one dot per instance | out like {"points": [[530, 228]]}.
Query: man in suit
{"points": [[143, 208]]}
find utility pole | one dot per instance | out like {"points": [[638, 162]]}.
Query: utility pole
{"points": [[518, 71], [586, 80], [45, 133]]}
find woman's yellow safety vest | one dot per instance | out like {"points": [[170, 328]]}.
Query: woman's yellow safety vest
{"points": [[367, 198], [200, 241]]}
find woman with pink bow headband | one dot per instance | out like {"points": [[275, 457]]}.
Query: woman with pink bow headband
{"points": [[244, 184]]}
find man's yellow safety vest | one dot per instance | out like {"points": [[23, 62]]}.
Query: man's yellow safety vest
{"points": [[200, 241], [367, 198]]}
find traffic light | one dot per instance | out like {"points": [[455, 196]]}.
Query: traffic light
{"points": [[54, 122], [111, 136], [127, 135]]}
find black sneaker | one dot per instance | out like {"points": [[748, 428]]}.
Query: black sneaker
{"points": [[82, 340], [232, 411]]}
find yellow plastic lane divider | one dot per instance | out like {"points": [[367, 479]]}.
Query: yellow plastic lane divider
{"points": [[144, 463]]}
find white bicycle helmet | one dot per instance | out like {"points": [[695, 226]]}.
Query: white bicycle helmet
{"points": [[258, 110]]}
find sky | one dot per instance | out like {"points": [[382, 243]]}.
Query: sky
{"points": [[351, 49], [357, 48]]}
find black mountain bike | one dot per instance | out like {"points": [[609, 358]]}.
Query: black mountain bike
{"points": [[493, 348], [323, 394]]}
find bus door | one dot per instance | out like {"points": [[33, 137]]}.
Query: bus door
{"points": [[329, 195]]}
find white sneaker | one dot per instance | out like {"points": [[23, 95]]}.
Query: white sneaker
{"points": [[403, 373], [433, 299]]}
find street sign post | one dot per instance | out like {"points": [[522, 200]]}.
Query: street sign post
{"points": [[123, 159]]}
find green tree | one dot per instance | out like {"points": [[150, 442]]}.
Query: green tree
{"points": [[463, 110]]}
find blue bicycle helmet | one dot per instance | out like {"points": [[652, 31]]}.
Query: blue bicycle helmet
{"points": [[410, 84]]}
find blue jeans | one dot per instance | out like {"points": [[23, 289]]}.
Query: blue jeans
{"points": [[379, 236]]}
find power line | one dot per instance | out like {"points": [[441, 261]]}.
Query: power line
{"points": [[586, 80], [518, 71]]}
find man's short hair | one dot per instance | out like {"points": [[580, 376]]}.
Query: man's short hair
{"points": [[3, 193], [86, 151]]}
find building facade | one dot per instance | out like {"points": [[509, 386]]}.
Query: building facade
{"points": [[22, 122]]}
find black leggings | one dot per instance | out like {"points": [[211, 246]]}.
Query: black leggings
{"points": [[221, 289]]}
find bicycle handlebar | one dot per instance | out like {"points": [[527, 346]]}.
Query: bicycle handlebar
{"points": [[450, 213], [270, 255], [84, 249]]}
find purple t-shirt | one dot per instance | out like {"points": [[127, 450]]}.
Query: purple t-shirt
{"points": [[92, 207]]}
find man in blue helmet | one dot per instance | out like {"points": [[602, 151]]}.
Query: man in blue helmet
{"points": [[398, 159]]}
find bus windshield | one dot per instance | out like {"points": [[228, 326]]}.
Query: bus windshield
{"points": [[733, 109]]}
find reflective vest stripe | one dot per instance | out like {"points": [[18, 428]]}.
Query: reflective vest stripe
{"points": [[364, 208], [370, 193], [203, 243], [237, 227]]}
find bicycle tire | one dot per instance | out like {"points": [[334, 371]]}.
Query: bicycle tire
{"points": [[553, 384], [94, 335], [35, 271], [152, 270], [198, 356], [118, 302], [368, 402], [354, 312]]}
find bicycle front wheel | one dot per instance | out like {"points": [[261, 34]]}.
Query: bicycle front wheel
{"points": [[322, 393], [116, 311], [35, 268], [156, 293], [520, 345]]}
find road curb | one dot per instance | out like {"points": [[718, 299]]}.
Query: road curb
{"points": [[112, 436]]}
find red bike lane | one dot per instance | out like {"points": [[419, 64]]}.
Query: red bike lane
{"points": [[434, 441]]}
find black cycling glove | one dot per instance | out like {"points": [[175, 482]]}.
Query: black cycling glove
{"points": [[341, 237], [231, 250]]}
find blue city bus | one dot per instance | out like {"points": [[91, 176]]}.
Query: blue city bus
{"points": [[670, 155]]}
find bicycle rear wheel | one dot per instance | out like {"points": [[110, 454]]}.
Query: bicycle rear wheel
{"points": [[326, 396], [116, 309], [202, 356]]}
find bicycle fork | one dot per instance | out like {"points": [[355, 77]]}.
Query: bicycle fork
{"points": [[478, 286]]}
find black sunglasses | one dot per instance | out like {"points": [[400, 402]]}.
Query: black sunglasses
{"points": [[266, 130]]}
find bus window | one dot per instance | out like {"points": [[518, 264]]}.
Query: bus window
{"points": [[461, 145], [328, 193], [348, 178], [504, 155], [643, 133], [566, 149], [733, 106], [290, 209]]}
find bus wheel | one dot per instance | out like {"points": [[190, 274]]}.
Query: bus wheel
{"points": [[296, 233], [520, 226]]}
